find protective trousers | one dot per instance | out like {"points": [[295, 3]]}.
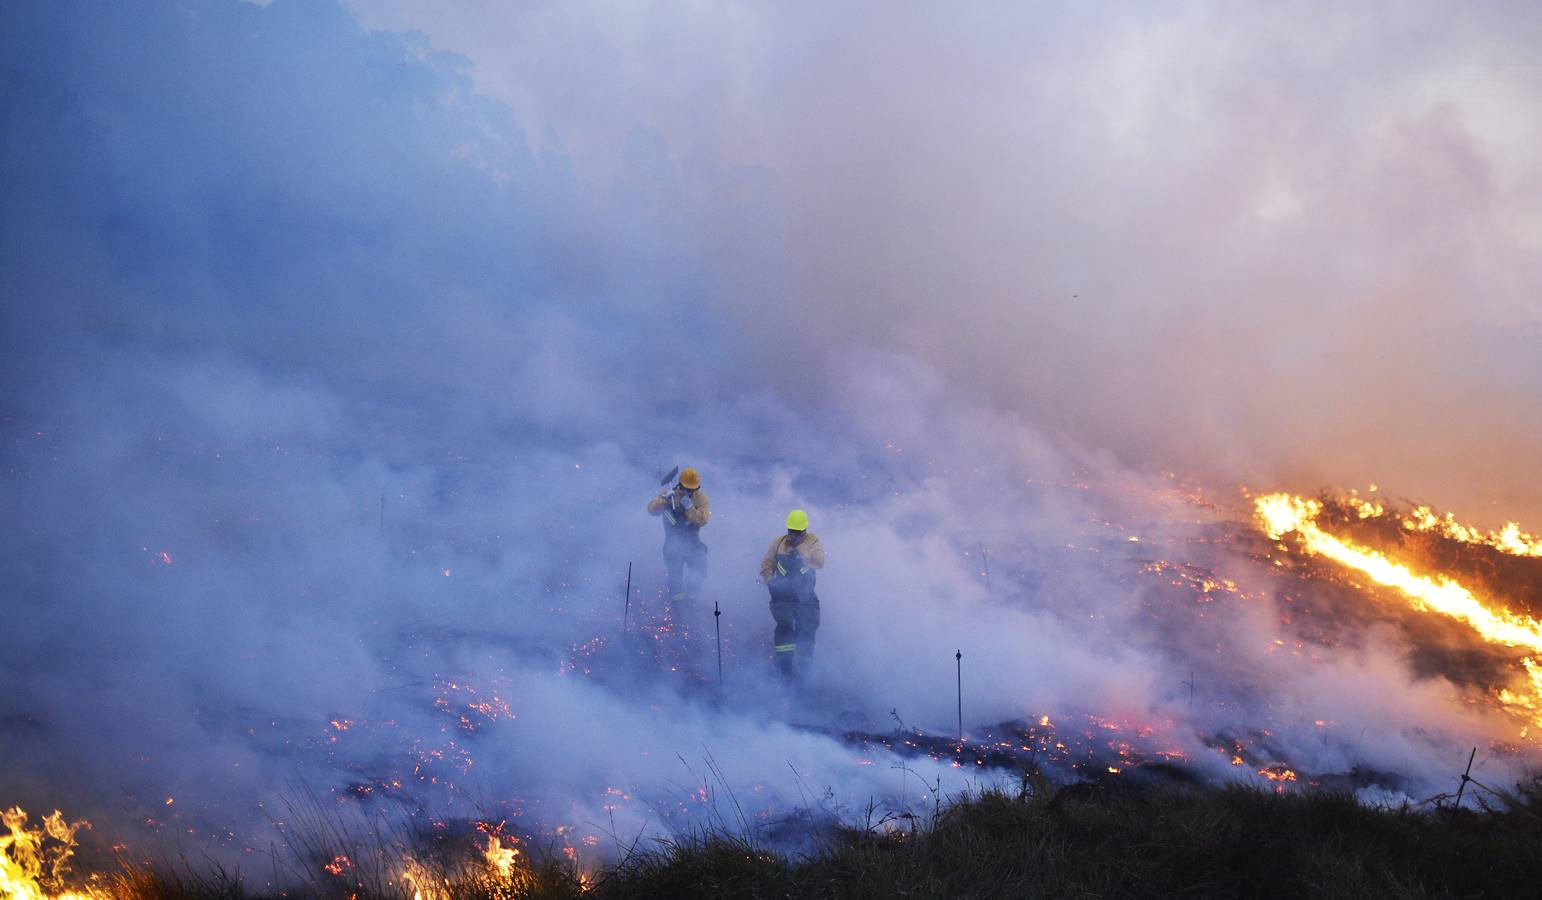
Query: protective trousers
{"points": [[797, 619], [686, 563]]}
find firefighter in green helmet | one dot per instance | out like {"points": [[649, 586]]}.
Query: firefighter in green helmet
{"points": [[788, 570]]}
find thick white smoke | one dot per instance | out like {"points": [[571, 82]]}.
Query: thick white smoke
{"points": [[332, 394]]}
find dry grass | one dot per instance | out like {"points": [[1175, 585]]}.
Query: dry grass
{"points": [[1103, 839]]}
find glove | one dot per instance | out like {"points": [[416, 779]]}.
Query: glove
{"points": [[686, 502]]}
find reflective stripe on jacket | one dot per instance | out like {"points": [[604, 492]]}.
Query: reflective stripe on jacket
{"points": [[791, 573], [682, 523], [810, 551]]}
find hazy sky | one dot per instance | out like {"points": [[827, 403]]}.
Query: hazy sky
{"points": [[944, 278], [1295, 244]]}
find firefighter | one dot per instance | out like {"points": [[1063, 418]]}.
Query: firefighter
{"points": [[788, 570], [684, 509]]}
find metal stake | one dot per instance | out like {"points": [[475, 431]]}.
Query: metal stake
{"points": [[958, 659], [627, 609], [717, 620], [1466, 777]]}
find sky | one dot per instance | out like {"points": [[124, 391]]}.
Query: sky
{"points": [[1294, 245], [342, 345]]}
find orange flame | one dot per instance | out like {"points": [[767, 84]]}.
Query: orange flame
{"points": [[1283, 514], [1509, 539], [499, 858], [31, 858]]}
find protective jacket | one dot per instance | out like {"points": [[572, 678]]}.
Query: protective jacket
{"points": [[684, 513], [788, 570], [793, 564]]}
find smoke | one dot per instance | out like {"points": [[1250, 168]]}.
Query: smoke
{"points": [[1293, 247], [333, 394]]}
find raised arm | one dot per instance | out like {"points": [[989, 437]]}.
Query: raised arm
{"points": [[701, 509], [812, 551]]}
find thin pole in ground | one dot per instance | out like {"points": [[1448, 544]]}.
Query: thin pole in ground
{"points": [[1466, 777], [626, 609], [958, 659], [717, 619]]}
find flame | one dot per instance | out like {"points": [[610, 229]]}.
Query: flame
{"points": [[1509, 539], [499, 858], [1283, 514], [493, 871], [31, 858], [422, 882]]}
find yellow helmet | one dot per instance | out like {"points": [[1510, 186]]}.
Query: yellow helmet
{"points": [[690, 478], [797, 520]]}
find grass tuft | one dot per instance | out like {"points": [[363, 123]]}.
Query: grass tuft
{"points": [[1103, 838]]}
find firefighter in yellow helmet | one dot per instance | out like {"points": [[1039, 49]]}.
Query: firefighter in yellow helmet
{"points": [[788, 570], [685, 510]]}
